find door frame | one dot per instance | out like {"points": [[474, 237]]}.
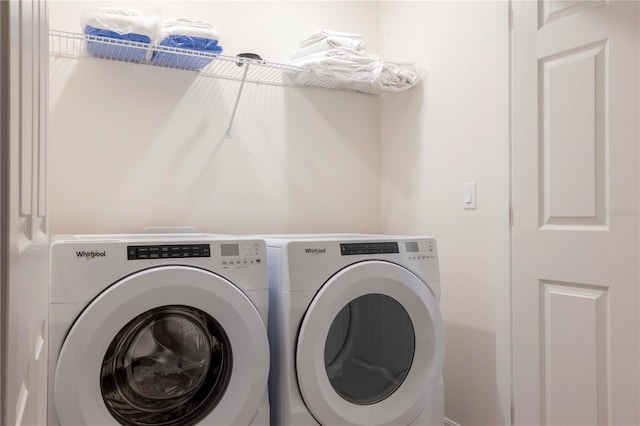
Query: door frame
{"points": [[504, 217], [4, 142]]}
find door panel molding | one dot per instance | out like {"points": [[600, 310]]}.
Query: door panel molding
{"points": [[575, 360], [572, 119], [554, 10]]}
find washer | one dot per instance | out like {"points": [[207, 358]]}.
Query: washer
{"points": [[158, 330], [355, 329]]}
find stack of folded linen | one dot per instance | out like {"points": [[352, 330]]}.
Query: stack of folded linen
{"points": [[336, 55], [341, 64], [340, 58], [130, 29], [325, 40], [398, 76], [193, 34]]}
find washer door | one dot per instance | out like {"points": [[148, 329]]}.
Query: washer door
{"points": [[166, 346], [371, 347]]}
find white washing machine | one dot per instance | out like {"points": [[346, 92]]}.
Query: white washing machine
{"points": [[355, 330], [158, 330]]}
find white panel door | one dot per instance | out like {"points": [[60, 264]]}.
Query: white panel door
{"points": [[575, 253], [24, 238]]}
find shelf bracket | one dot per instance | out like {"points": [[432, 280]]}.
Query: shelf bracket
{"points": [[244, 78]]}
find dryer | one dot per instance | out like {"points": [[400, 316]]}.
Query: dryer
{"points": [[158, 330], [355, 329]]}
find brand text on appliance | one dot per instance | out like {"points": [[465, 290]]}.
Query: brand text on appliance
{"points": [[91, 254], [315, 251]]}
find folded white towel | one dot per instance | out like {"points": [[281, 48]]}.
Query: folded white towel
{"points": [[398, 76], [338, 55], [341, 64], [121, 21], [322, 34], [332, 42], [191, 27]]}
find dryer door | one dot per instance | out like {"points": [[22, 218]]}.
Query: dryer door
{"points": [[371, 347], [170, 345]]}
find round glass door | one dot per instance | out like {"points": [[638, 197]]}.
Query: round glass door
{"points": [[168, 366], [130, 358], [369, 349]]}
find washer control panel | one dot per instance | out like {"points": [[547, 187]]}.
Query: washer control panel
{"points": [[240, 254], [162, 251]]}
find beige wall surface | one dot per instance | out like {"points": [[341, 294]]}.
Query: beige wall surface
{"points": [[135, 146], [434, 139]]}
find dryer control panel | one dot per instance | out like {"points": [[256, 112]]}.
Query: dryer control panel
{"points": [[420, 250], [350, 249], [414, 250]]}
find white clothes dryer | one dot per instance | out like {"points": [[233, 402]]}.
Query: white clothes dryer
{"points": [[158, 330], [355, 330]]}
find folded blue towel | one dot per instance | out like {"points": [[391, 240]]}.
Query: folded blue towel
{"points": [[139, 38], [194, 43], [123, 51], [176, 60]]}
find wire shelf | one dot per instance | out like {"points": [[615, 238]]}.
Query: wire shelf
{"points": [[73, 45]]}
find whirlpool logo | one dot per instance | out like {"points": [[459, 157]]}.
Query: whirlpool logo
{"points": [[91, 254], [315, 251]]}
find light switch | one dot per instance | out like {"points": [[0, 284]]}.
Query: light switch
{"points": [[470, 195]]}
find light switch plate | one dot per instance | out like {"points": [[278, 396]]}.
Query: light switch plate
{"points": [[469, 195]]}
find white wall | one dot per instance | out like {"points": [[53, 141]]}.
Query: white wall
{"points": [[433, 139], [135, 146]]}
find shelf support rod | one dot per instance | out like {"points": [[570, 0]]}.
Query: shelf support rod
{"points": [[235, 107]]}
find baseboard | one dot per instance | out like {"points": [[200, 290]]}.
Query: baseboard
{"points": [[448, 422]]}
